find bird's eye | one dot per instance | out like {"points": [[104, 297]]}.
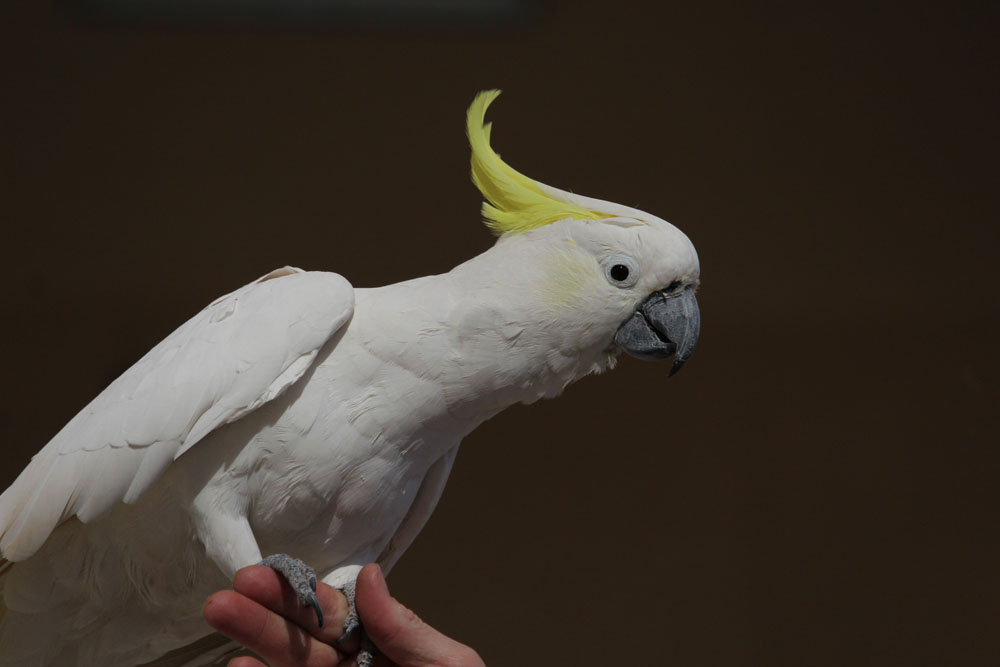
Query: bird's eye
{"points": [[621, 270]]}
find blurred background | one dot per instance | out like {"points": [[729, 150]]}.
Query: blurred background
{"points": [[815, 488]]}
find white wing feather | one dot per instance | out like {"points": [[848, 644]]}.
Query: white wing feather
{"points": [[240, 352]]}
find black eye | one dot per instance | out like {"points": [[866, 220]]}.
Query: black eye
{"points": [[674, 286], [619, 272]]}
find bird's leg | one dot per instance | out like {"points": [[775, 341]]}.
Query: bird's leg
{"points": [[230, 543], [344, 580], [300, 577]]}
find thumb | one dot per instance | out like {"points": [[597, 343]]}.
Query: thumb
{"points": [[399, 634]]}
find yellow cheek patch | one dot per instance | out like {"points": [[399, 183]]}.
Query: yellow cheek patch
{"points": [[569, 278], [514, 203]]}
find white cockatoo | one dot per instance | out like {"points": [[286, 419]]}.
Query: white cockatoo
{"points": [[301, 415]]}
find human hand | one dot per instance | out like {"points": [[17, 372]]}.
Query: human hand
{"points": [[263, 614]]}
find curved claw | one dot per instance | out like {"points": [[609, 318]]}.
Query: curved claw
{"points": [[366, 654], [319, 611], [351, 623], [300, 577], [347, 634]]}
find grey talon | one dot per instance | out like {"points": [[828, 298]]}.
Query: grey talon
{"points": [[319, 612], [351, 622], [300, 577], [366, 654]]}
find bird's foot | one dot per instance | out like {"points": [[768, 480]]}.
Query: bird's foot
{"points": [[366, 654], [301, 578]]}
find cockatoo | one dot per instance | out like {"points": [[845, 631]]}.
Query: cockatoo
{"points": [[301, 415]]}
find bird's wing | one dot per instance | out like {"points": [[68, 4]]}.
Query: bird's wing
{"points": [[240, 352], [423, 505]]}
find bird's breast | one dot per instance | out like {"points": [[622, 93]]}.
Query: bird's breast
{"points": [[334, 468]]}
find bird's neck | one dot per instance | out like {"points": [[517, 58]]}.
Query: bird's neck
{"points": [[479, 339]]}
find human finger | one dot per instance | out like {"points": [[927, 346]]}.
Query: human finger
{"points": [[399, 633], [267, 587], [278, 640], [245, 661]]}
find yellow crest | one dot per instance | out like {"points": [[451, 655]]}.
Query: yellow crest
{"points": [[514, 203]]}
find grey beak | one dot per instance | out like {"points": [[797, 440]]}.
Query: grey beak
{"points": [[667, 323]]}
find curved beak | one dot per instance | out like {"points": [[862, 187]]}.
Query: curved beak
{"points": [[665, 324]]}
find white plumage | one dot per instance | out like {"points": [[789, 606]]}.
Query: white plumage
{"points": [[300, 415]]}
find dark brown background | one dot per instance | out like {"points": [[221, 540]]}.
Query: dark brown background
{"points": [[816, 488]]}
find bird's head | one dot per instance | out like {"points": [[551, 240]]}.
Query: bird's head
{"points": [[602, 275]]}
